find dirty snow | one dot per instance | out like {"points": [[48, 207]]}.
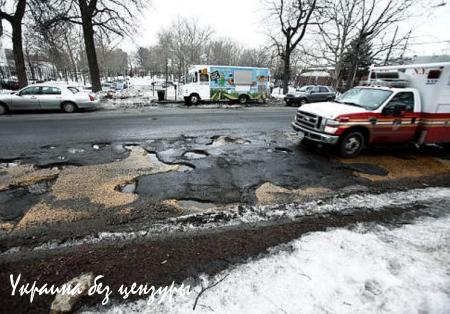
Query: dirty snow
{"points": [[404, 270], [237, 215]]}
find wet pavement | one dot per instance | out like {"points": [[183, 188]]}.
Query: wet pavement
{"points": [[70, 181]]}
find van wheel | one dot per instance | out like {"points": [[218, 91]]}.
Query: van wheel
{"points": [[194, 99], [243, 99], [351, 145], [3, 109], [69, 107]]}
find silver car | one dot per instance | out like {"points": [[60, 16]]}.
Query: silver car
{"points": [[47, 97]]}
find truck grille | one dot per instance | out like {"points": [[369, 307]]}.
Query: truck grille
{"points": [[308, 120]]}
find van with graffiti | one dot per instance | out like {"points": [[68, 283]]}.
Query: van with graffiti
{"points": [[226, 83]]}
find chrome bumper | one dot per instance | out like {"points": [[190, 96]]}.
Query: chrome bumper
{"points": [[316, 136]]}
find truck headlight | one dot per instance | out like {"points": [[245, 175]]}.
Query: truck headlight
{"points": [[330, 129], [332, 123]]}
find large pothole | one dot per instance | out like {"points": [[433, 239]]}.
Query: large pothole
{"points": [[195, 154]]}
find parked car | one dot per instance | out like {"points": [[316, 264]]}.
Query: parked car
{"points": [[48, 97], [310, 93], [10, 84]]}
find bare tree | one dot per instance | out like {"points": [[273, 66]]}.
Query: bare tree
{"points": [[189, 42], [15, 19], [375, 19], [223, 51], [293, 18], [143, 59], [106, 16], [335, 34]]}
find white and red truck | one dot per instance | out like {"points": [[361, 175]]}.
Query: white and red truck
{"points": [[398, 104]]}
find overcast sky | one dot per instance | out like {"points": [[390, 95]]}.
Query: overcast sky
{"points": [[242, 20]]}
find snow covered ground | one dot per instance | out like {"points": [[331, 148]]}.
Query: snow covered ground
{"points": [[278, 92], [367, 269]]}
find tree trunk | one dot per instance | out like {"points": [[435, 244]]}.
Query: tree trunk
{"points": [[91, 54], [286, 71], [19, 58]]}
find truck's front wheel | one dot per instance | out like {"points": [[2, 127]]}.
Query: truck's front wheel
{"points": [[194, 99], [351, 144]]}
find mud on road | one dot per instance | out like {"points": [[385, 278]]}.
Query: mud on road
{"points": [[121, 209], [60, 192]]}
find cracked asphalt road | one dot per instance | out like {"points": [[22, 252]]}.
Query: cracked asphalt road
{"points": [[63, 175], [21, 133]]}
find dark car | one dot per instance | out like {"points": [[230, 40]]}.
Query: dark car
{"points": [[310, 93]]}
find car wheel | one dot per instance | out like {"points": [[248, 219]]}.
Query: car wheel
{"points": [[288, 103], [69, 107], [194, 99], [303, 102], [243, 99], [351, 144], [3, 110]]}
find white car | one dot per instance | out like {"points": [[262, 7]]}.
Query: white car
{"points": [[48, 97]]}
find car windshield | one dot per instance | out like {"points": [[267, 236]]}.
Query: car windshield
{"points": [[367, 98], [304, 89]]}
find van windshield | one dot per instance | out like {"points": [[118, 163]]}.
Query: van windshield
{"points": [[367, 98], [192, 77]]}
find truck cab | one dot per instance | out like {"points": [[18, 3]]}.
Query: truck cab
{"points": [[405, 109], [196, 87]]}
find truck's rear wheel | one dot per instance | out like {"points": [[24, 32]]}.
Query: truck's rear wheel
{"points": [[351, 144], [194, 99], [243, 99]]}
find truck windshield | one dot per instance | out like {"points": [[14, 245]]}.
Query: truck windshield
{"points": [[368, 98], [192, 77]]}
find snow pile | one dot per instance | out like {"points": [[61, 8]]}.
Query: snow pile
{"points": [[340, 271], [278, 92]]}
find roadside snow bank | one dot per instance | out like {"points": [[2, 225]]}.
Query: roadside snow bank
{"points": [[404, 270]]}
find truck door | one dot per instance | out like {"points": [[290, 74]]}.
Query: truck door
{"points": [[204, 89], [399, 126]]}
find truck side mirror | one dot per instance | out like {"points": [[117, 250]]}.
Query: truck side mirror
{"points": [[394, 109]]}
